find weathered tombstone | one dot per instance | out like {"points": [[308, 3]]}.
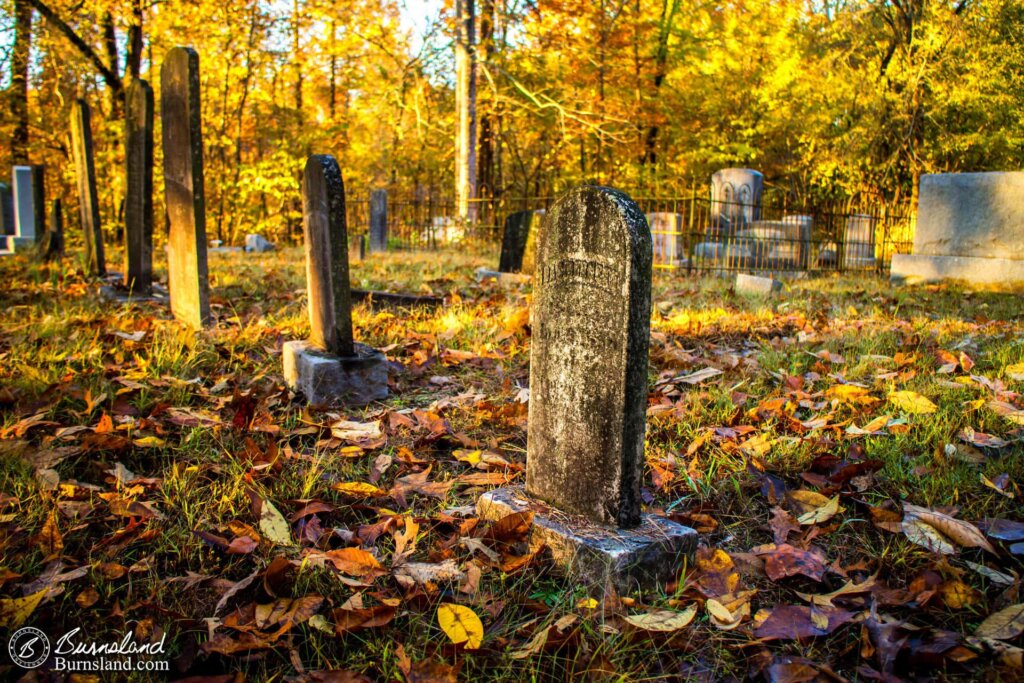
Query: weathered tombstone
{"points": [[330, 368], [859, 242], [24, 211], [88, 199], [588, 397], [138, 207], [735, 198], [667, 238], [51, 246], [970, 227], [180, 114], [521, 230], [378, 221]]}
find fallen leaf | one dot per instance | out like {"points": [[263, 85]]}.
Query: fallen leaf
{"points": [[273, 524], [461, 625], [785, 560], [664, 621], [912, 402], [15, 611], [960, 532], [358, 489], [1005, 624], [795, 622]]}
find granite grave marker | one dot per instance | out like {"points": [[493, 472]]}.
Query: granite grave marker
{"points": [[88, 199], [970, 227], [378, 220], [138, 206], [330, 368], [588, 397], [185, 199]]}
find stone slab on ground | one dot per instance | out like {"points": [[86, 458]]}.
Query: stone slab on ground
{"points": [[600, 556], [329, 380], [396, 299], [922, 268], [754, 284], [501, 277]]}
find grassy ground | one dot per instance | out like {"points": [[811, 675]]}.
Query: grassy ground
{"points": [[143, 453]]}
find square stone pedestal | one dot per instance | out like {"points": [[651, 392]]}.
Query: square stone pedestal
{"points": [[329, 380], [596, 555]]}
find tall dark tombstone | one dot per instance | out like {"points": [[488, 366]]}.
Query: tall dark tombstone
{"points": [[39, 196], [138, 205], [588, 396], [185, 198], [88, 199], [518, 243], [6, 213], [330, 368], [379, 221]]}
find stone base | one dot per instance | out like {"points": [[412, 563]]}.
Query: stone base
{"points": [[328, 380], [913, 269], [15, 244], [119, 295], [596, 555], [752, 284]]}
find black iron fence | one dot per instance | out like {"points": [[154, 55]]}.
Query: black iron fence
{"points": [[691, 234]]}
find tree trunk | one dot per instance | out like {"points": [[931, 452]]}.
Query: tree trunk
{"points": [[465, 105], [486, 179], [18, 93]]}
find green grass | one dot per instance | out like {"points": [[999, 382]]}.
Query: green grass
{"points": [[60, 358]]}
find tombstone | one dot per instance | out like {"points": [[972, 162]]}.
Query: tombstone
{"points": [[756, 285], [39, 198], [330, 368], [667, 238], [24, 236], [378, 221], [588, 398], [859, 242], [85, 176], [138, 206], [258, 244], [799, 230], [521, 231], [51, 246], [180, 114], [6, 213], [970, 227], [735, 199]]}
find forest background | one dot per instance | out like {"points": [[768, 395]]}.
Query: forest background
{"points": [[523, 98]]}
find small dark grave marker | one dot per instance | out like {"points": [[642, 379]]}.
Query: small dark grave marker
{"points": [[138, 206]]}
